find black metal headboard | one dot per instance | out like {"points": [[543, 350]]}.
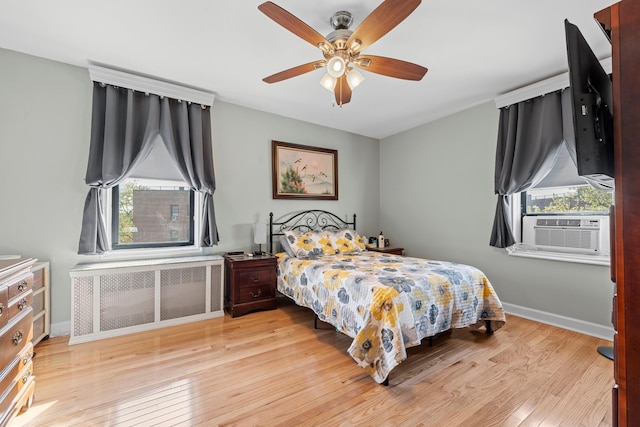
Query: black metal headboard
{"points": [[307, 221]]}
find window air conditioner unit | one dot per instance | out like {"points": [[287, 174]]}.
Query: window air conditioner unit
{"points": [[575, 234]]}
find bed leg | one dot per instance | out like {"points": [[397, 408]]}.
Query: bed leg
{"points": [[430, 341], [315, 321], [488, 325], [385, 382]]}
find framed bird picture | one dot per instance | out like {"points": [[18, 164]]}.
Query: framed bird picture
{"points": [[303, 172]]}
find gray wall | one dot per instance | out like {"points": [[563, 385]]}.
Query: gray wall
{"points": [[437, 201], [45, 110], [433, 193]]}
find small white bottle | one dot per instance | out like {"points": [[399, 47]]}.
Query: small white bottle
{"points": [[381, 240]]}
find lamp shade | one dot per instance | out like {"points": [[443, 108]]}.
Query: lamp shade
{"points": [[354, 78], [260, 233], [328, 82], [336, 67]]}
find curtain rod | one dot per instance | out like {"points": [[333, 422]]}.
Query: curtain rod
{"points": [[542, 87], [146, 84]]}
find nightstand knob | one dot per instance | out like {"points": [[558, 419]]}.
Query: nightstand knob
{"points": [[22, 304], [22, 286], [255, 279], [257, 294]]}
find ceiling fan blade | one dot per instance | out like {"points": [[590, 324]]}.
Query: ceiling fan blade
{"points": [[382, 20], [293, 24], [295, 71], [342, 91], [391, 67]]}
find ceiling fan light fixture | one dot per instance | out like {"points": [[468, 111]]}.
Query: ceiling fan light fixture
{"points": [[354, 78], [328, 82], [336, 67]]}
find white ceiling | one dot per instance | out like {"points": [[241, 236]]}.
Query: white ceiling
{"points": [[474, 50]]}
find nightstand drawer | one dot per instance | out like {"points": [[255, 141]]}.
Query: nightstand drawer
{"points": [[254, 277], [255, 293]]}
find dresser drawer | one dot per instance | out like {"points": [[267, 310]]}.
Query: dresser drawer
{"points": [[20, 381], [19, 304], [38, 279], [4, 306], [255, 293], [19, 286], [254, 277], [13, 370], [15, 336], [38, 302]]}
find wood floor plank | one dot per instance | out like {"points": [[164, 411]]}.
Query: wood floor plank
{"points": [[272, 368]]}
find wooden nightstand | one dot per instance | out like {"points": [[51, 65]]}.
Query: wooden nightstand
{"points": [[250, 283], [389, 250]]}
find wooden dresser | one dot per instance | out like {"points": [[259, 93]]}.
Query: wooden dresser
{"points": [[17, 382]]}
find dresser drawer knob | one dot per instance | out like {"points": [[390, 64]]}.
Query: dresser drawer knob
{"points": [[17, 338], [26, 376], [257, 294], [22, 304], [26, 358], [1, 309], [22, 286]]}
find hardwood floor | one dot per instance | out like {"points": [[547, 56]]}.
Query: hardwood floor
{"points": [[273, 368]]}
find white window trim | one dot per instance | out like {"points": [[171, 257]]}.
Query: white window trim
{"points": [[137, 253], [520, 250]]}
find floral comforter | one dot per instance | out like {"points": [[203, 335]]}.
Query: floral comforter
{"points": [[388, 303]]}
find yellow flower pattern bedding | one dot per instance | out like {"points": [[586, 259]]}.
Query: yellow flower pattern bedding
{"points": [[388, 303]]}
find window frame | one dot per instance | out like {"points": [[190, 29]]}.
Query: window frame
{"points": [[161, 248], [518, 213]]}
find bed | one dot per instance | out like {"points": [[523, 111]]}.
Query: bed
{"points": [[385, 303]]}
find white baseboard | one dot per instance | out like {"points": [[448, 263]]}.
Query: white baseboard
{"points": [[60, 329], [587, 328]]}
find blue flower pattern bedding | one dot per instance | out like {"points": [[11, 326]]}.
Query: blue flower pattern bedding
{"points": [[388, 303]]}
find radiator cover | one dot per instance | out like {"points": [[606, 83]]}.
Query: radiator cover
{"points": [[117, 298]]}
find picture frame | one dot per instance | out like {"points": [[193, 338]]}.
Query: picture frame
{"points": [[304, 172]]}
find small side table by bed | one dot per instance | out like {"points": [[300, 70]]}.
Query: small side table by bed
{"points": [[250, 283], [388, 250]]}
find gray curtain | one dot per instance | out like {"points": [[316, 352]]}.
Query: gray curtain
{"points": [[186, 133], [529, 135], [125, 124]]}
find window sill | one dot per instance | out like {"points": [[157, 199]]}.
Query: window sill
{"points": [[528, 252], [124, 254]]}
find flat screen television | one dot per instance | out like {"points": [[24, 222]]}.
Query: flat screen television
{"points": [[591, 96]]}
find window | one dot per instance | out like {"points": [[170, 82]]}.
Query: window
{"points": [[145, 214], [574, 199], [562, 191], [563, 216]]}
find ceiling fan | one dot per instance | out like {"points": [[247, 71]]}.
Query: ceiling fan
{"points": [[342, 47]]}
